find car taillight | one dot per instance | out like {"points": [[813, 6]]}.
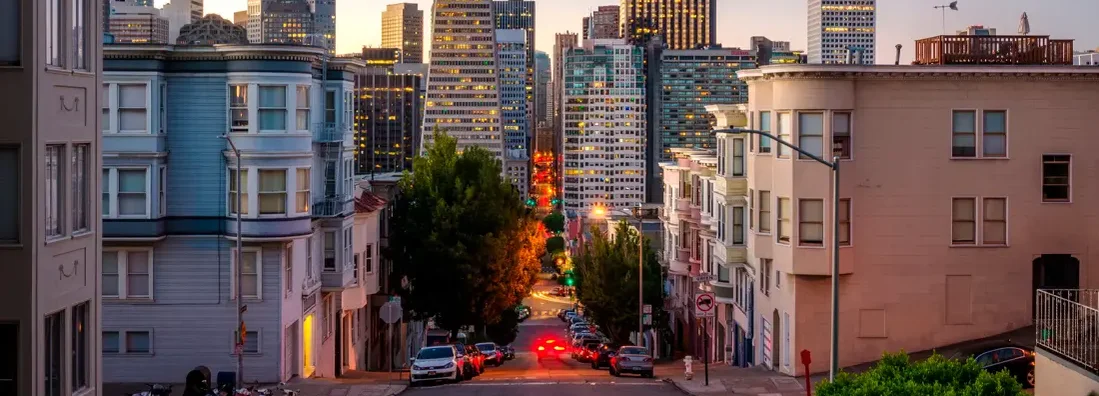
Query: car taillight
{"points": [[559, 348], [647, 359], [541, 348]]}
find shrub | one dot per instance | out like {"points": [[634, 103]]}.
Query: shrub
{"points": [[897, 376], [555, 244]]}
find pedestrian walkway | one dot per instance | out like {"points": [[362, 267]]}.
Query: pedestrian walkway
{"points": [[726, 380], [319, 388]]}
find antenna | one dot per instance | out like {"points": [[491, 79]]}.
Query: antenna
{"points": [[953, 6]]}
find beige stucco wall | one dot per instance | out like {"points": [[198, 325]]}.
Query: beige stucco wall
{"points": [[1056, 377]]}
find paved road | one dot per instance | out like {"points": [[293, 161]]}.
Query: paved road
{"points": [[527, 376]]}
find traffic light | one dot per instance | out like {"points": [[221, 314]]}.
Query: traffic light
{"points": [[568, 281], [530, 202]]}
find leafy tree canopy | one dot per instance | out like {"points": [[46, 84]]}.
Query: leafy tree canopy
{"points": [[555, 244], [555, 222], [896, 375], [506, 330], [606, 278]]}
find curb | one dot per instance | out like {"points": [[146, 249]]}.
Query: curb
{"points": [[676, 385], [402, 389]]}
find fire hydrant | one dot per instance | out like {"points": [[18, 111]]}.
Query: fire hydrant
{"points": [[688, 372]]}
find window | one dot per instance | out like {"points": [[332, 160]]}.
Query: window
{"points": [[330, 179], [272, 108], [784, 126], [309, 257], [251, 342], [105, 108], [355, 269], [347, 245], [272, 191], [128, 273], [369, 261], [55, 191], [721, 222], [764, 126], [233, 191], [751, 209], [162, 185], [250, 274], [111, 342], [765, 276], [132, 197], [303, 107], [81, 200], [994, 134], [139, 342], [79, 43], [1056, 172], [329, 316], [841, 135], [238, 108], [132, 102], [964, 134], [721, 157], [288, 263], [330, 107], [348, 179], [845, 221], [53, 358], [722, 273], [81, 367], [994, 227], [738, 225], [330, 251], [964, 217], [9, 197], [55, 56], [784, 210], [162, 106], [811, 134], [811, 222], [738, 157], [764, 212]]}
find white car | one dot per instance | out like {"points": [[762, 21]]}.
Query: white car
{"points": [[438, 363]]}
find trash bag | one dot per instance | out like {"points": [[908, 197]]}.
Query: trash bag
{"points": [[196, 384]]}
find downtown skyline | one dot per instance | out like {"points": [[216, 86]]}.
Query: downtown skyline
{"points": [[899, 22]]}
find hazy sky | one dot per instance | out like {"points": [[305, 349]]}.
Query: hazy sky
{"points": [[899, 21]]}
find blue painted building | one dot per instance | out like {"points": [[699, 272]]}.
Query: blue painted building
{"points": [[169, 208]]}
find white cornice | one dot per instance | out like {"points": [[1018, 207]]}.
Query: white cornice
{"points": [[914, 72]]}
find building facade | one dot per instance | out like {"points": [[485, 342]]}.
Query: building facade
{"points": [[603, 23], [134, 24], [684, 24], [511, 60], [403, 28], [837, 25], [604, 126], [49, 238], [519, 14], [964, 251], [212, 29], [388, 130], [240, 18], [281, 22], [324, 24], [564, 42], [463, 93], [541, 88], [172, 122]]}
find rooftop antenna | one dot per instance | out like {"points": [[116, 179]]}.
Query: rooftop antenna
{"points": [[953, 6]]}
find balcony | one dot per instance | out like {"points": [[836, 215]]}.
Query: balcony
{"points": [[332, 206], [330, 132], [1067, 327], [993, 50], [310, 284], [683, 206]]}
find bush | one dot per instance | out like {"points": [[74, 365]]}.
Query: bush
{"points": [[897, 376], [555, 244]]}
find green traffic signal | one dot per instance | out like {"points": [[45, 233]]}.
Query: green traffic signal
{"points": [[568, 282]]}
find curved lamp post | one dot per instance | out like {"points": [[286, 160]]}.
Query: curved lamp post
{"points": [[733, 119]]}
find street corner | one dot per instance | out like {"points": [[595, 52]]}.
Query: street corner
{"points": [[351, 390], [697, 386]]}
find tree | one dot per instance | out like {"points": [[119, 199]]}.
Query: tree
{"points": [[555, 222], [606, 281], [555, 244], [460, 231], [896, 375], [506, 330]]}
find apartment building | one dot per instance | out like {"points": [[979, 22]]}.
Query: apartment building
{"points": [[684, 24], [957, 201], [604, 126], [511, 60], [603, 23], [837, 25], [138, 24], [49, 238], [403, 28], [172, 120]]}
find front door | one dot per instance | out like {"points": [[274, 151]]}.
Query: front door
{"points": [[289, 345], [1055, 271]]}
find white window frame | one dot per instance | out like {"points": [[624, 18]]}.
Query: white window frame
{"points": [[784, 133], [301, 110], [976, 221], [328, 309], [983, 132], [285, 108], [847, 203], [801, 222], [56, 26], [233, 273], [348, 247], [780, 215], [258, 337], [368, 261], [301, 188], [248, 99], [123, 348], [162, 190], [765, 227], [113, 193], [81, 191], [849, 136], [54, 203], [743, 234], [122, 257], [738, 160], [330, 235], [348, 179], [285, 191], [117, 108], [162, 108], [721, 160], [805, 139], [976, 133], [106, 107], [721, 224], [288, 267], [765, 127], [230, 199], [984, 220]]}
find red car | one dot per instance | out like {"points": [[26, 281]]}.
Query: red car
{"points": [[549, 348]]}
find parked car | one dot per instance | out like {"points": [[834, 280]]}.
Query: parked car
{"points": [[477, 357], [587, 349], [436, 363], [509, 352], [492, 354], [602, 356], [564, 312], [546, 348], [1005, 355], [469, 363], [632, 359]]}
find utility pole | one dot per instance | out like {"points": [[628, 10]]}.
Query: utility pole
{"points": [[238, 271]]}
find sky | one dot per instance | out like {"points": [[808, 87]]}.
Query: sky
{"points": [[899, 21]]}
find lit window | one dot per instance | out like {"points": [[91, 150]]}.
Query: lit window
{"points": [[303, 184], [302, 115], [238, 107]]}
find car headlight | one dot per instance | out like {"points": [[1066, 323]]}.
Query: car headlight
{"points": [[449, 365], [415, 367]]}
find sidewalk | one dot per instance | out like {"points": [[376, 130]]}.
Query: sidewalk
{"points": [[726, 380]]}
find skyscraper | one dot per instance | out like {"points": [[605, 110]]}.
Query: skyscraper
{"points": [[324, 23], [603, 23], [138, 24], [684, 24], [541, 85], [519, 14], [837, 25], [280, 21], [604, 112], [563, 43], [388, 123], [463, 96], [403, 28], [196, 10]]}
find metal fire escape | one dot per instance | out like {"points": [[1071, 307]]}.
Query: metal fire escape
{"points": [[330, 136]]}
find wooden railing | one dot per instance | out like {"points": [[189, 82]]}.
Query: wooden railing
{"points": [[993, 50]]}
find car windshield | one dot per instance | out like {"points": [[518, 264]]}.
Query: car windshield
{"points": [[634, 351], [435, 353], [486, 347]]}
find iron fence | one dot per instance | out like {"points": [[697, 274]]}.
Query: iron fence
{"points": [[1067, 323]]}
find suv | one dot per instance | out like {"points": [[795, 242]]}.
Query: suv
{"points": [[437, 363]]}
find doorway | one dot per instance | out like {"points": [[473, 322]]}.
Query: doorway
{"points": [[1054, 271], [776, 341], [307, 342], [290, 352]]}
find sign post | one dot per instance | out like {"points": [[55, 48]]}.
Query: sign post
{"points": [[391, 313], [704, 309], [806, 358]]}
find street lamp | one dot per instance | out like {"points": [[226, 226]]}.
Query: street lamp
{"points": [[239, 346], [735, 119], [640, 279]]}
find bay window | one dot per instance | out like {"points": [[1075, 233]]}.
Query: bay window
{"points": [[53, 330], [784, 126], [55, 191], [80, 346], [233, 189], [81, 197], [330, 251], [811, 222], [330, 106], [55, 18], [272, 191], [738, 225], [238, 108], [132, 108], [302, 115], [132, 193], [302, 195], [347, 247], [272, 108], [738, 157], [79, 45], [105, 108], [811, 134], [784, 212]]}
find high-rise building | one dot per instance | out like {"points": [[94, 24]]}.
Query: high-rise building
{"points": [[684, 24], [197, 10], [838, 25], [178, 13], [138, 24], [324, 24], [281, 22], [49, 209], [542, 78], [604, 113], [511, 62], [403, 28], [381, 57], [603, 23], [563, 42], [519, 14], [388, 122], [240, 18], [463, 94]]}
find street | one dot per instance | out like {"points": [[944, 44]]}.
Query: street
{"points": [[525, 375]]}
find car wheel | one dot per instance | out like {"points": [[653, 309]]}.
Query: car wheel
{"points": [[594, 366], [649, 375], [1030, 380], [614, 373]]}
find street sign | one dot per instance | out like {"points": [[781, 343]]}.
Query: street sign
{"points": [[647, 319], [391, 312], [704, 305], [704, 278], [647, 309], [395, 299]]}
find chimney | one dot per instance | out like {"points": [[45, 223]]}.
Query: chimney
{"points": [[898, 61]]}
